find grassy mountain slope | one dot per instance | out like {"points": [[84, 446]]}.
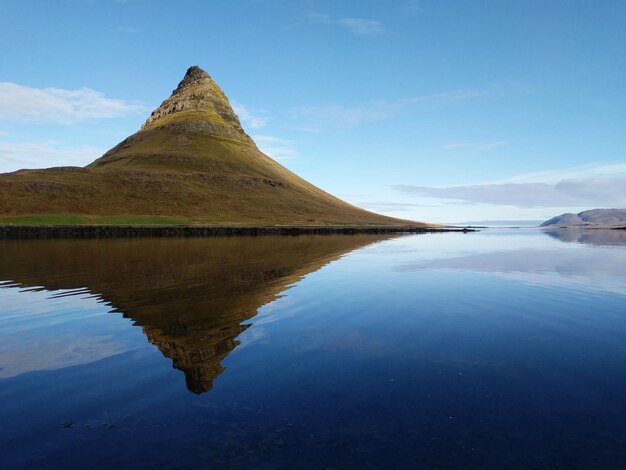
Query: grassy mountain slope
{"points": [[191, 162]]}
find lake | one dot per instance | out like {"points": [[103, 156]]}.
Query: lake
{"points": [[497, 349]]}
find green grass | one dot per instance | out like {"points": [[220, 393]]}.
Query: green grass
{"points": [[69, 219]]}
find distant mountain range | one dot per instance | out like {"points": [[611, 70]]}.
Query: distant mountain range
{"points": [[591, 218], [191, 162]]}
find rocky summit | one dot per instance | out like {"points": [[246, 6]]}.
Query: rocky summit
{"points": [[187, 127], [190, 163], [198, 93]]}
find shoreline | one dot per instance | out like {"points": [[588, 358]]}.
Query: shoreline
{"points": [[136, 231]]}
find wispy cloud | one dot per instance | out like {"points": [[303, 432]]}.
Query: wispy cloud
{"points": [[56, 105], [127, 29], [252, 118], [323, 116], [591, 170], [14, 156], [318, 117], [413, 7], [359, 26], [584, 186], [391, 206], [477, 146], [279, 149]]}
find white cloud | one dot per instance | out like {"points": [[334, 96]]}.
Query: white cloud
{"points": [[591, 170], [320, 116], [277, 148], [575, 192], [55, 105], [44, 154], [359, 26], [595, 185], [252, 118]]}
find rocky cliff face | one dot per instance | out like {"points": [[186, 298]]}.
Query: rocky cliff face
{"points": [[197, 120], [200, 102]]}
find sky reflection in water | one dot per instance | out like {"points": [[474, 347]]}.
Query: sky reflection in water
{"points": [[500, 348]]}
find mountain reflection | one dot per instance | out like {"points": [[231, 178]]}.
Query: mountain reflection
{"points": [[191, 297], [590, 236]]}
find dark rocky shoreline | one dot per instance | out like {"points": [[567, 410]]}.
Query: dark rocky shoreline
{"points": [[134, 231]]}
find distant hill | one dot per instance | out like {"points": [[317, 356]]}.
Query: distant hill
{"points": [[595, 217], [191, 162]]}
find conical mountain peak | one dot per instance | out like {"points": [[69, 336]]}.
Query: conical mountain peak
{"points": [[191, 160], [195, 76], [194, 72], [198, 102]]}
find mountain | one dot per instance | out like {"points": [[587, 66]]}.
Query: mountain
{"points": [[192, 298], [591, 218], [191, 162]]}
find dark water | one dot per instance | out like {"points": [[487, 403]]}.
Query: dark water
{"points": [[500, 349]]}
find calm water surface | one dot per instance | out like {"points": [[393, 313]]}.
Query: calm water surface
{"points": [[499, 349]]}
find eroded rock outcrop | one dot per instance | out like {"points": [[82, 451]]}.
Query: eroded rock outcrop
{"points": [[201, 103]]}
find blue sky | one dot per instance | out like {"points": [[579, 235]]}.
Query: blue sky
{"points": [[435, 110]]}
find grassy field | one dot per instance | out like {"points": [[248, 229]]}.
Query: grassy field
{"points": [[160, 196], [74, 219]]}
